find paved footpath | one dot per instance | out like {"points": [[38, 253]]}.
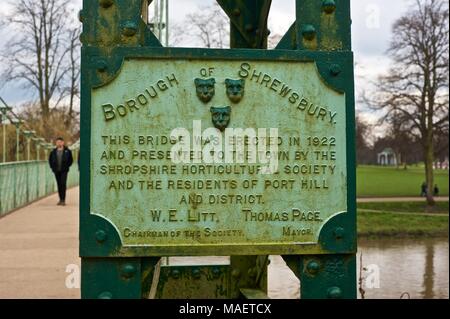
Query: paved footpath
{"points": [[37, 243]]}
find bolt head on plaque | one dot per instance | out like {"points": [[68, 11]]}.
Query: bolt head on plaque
{"points": [[313, 267], [105, 295], [335, 69], [221, 117], [334, 293], [128, 271], [309, 32], [205, 89], [235, 89], [106, 3], [339, 232], [329, 6], [129, 28], [100, 235]]}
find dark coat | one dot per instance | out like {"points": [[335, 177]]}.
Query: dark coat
{"points": [[67, 160]]}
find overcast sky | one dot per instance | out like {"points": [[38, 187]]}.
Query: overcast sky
{"points": [[371, 30]]}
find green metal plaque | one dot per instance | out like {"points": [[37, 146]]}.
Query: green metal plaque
{"points": [[161, 205]]}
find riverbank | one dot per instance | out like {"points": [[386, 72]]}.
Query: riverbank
{"points": [[402, 220]]}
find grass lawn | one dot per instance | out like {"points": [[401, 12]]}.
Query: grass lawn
{"points": [[413, 207], [378, 181], [401, 225]]}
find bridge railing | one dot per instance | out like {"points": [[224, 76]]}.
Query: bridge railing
{"points": [[24, 182]]}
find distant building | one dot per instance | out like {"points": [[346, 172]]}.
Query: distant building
{"points": [[387, 157], [441, 164]]}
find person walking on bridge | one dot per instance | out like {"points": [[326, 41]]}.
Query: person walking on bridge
{"points": [[60, 160]]}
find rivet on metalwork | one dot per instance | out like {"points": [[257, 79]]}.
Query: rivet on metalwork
{"points": [[339, 232], [82, 37], [308, 32], [216, 272], [175, 273], [105, 295], [129, 28], [80, 15], [101, 65], [196, 274], [248, 27], [335, 69], [106, 3], [237, 12], [236, 273], [100, 236], [329, 6], [334, 293], [313, 267], [128, 271]]}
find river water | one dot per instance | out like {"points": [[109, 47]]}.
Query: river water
{"points": [[391, 267]]}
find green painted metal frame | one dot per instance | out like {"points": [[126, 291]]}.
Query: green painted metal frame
{"points": [[113, 32]]}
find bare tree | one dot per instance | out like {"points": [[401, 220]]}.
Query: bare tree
{"points": [[210, 25], [363, 150], [73, 89], [41, 53], [415, 90]]}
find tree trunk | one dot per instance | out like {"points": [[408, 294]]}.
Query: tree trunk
{"points": [[45, 107], [429, 173]]}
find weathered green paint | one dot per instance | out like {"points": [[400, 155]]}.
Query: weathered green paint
{"points": [[253, 294], [319, 28], [324, 69], [193, 282], [248, 27], [129, 210], [114, 33], [248, 272], [107, 278], [289, 40], [327, 276]]}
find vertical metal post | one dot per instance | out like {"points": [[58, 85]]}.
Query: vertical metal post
{"points": [[15, 185], [27, 182], [45, 174], [38, 149], [4, 139], [4, 136], [17, 143], [161, 20], [104, 275], [28, 147], [167, 23], [156, 19]]}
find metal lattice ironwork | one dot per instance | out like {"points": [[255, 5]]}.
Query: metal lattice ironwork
{"points": [[24, 182], [24, 179], [113, 31]]}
